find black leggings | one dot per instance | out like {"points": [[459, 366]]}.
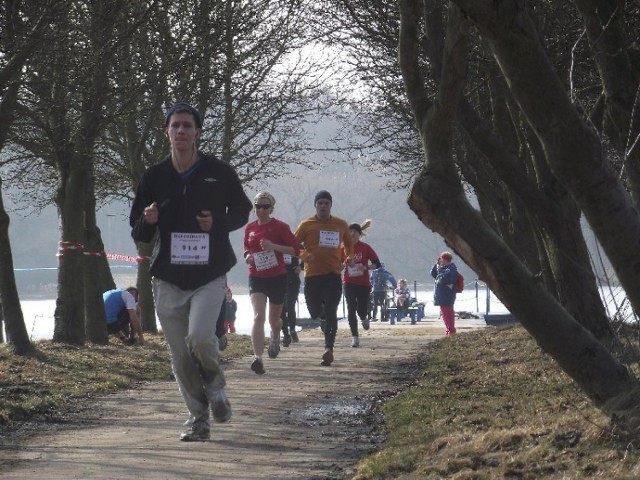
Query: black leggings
{"points": [[379, 299], [288, 314], [323, 293], [357, 297]]}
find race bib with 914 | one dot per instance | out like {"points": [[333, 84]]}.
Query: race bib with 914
{"points": [[189, 248]]}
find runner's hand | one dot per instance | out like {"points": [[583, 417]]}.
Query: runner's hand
{"points": [[151, 214], [205, 220]]}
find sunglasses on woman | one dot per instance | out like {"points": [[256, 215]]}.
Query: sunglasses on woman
{"points": [[266, 206]]}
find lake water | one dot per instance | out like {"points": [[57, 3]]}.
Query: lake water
{"points": [[38, 314]]}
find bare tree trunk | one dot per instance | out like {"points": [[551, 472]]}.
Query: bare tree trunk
{"points": [[69, 313], [10, 308], [438, 199], [97, 274], [9, 301], [143, 284]]}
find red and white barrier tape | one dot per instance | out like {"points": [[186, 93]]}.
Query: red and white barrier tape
{"points": [[65, 245], [126, 258]]}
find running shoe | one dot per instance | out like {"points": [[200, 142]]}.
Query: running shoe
{"points": [[197, 432], [257, 366], [274, 348], [286, 340], [365, 323], [355, 342], [327, 358], [294, 336]]}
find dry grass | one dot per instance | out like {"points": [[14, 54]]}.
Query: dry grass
{"points": [[490, 404]]}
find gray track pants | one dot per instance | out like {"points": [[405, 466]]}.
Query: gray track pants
{"points": [[188, 320]]}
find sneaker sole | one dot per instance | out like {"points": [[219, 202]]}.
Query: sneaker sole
{"points": [[190, 437], [185, 437], [327, 359]]}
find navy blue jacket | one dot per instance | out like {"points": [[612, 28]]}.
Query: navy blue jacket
{"points": [[445, 292], [212, 185]]}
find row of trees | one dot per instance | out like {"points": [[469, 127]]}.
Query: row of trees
{"points": [[83, 99], [550, 147]]}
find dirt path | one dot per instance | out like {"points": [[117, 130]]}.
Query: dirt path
{"points": [[300, 420]]}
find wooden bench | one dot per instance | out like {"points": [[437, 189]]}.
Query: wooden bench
{"points": [[412, 312]]}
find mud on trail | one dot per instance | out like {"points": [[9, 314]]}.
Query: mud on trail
{"points": [[298, 421]]}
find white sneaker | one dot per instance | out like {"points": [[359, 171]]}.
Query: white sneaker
{"points": [[355, 342]]}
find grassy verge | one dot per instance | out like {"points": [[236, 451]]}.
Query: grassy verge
{"points": [[489, 404]]}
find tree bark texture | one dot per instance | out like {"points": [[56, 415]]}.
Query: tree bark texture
{"points": [[572, 148], [555, 224], [604, 22], [438, 200], [97, 275], [69, 324]]}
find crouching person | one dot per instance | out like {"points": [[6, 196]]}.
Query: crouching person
{"points": [[121, 309]]}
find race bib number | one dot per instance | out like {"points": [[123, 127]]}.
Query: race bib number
{"points": [[265, 260], [190, 248], [354, 271], [287, 258], [329, 239]]}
